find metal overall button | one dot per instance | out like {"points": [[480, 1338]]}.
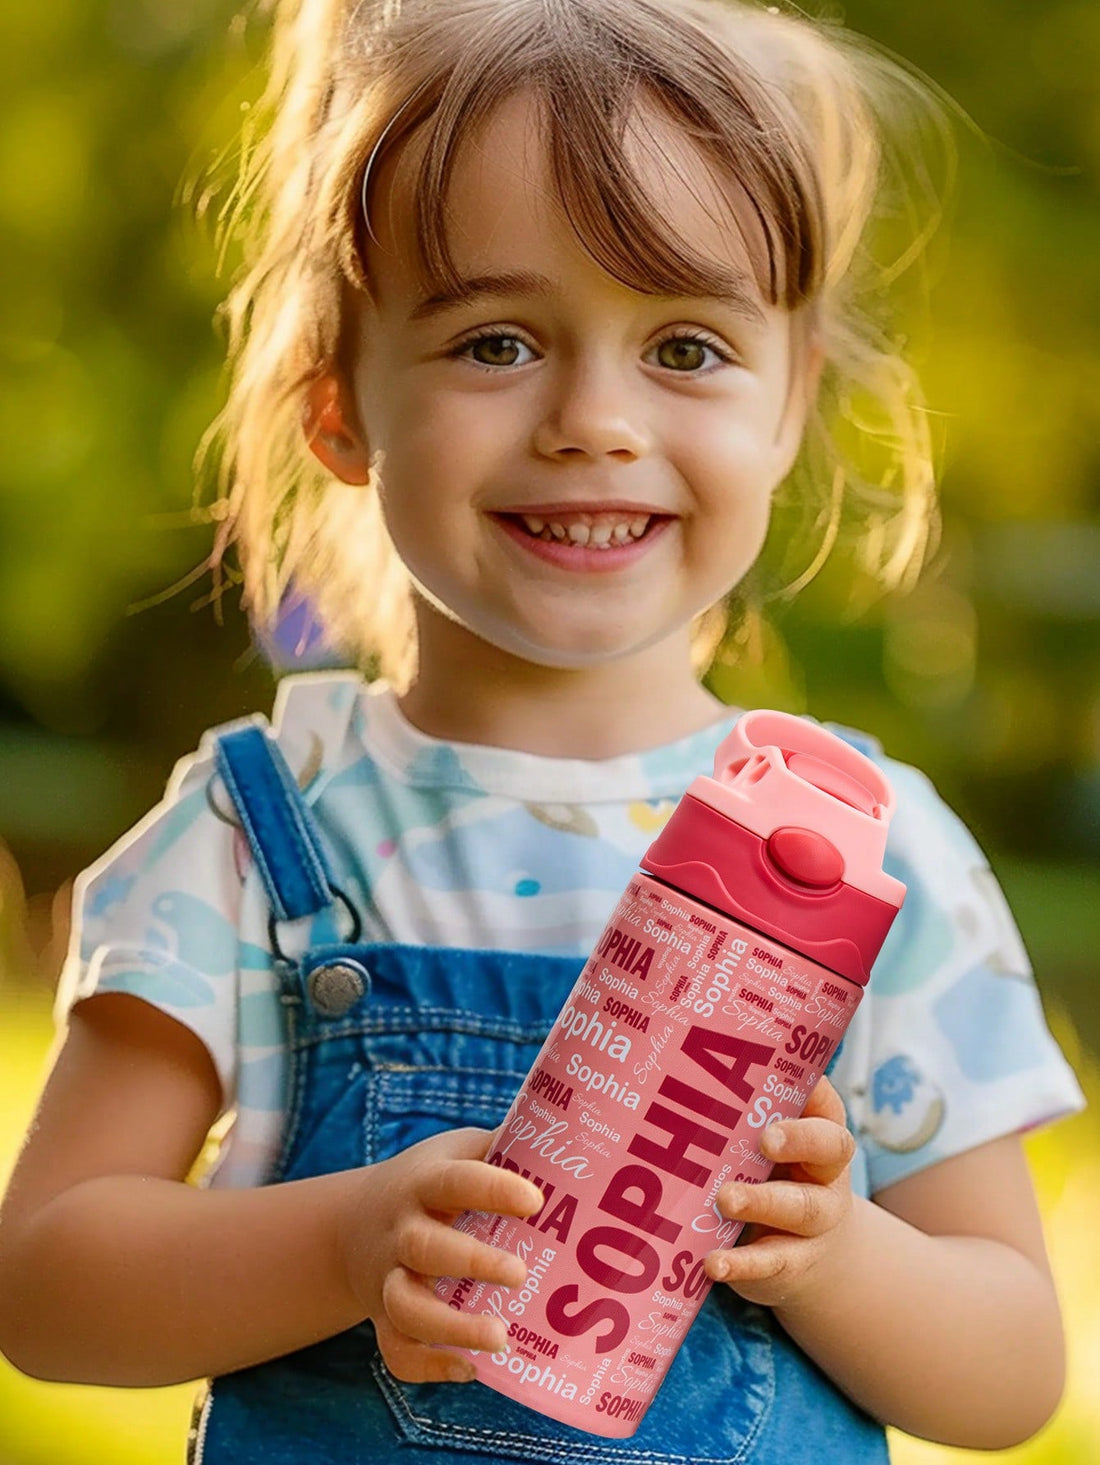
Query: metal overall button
{"points": [[336, 988]]}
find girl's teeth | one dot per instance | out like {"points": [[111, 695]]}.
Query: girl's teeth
{"points": [[602, 535]]}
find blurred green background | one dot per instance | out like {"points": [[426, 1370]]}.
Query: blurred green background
{"points": [[112, 112]]}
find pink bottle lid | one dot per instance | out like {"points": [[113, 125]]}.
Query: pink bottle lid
{"points": [[788, 837]]}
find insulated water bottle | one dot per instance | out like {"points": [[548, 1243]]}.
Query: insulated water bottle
{"points": [[713, 1002]]}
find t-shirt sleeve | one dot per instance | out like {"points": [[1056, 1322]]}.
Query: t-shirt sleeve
{"points": [[955, 1048], [157, 916]]}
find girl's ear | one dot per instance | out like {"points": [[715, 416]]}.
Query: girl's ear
{"points": [[332, 431]]}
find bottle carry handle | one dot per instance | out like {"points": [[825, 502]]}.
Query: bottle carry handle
{"points": [[810, 753]]}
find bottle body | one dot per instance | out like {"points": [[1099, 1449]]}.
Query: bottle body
{"points": [[686, 1034]]}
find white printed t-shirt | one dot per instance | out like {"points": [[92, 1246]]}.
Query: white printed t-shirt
{"points": [[461, 845]]}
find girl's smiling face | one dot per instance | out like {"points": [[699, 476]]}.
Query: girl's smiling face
{"points": [[570, 469]]}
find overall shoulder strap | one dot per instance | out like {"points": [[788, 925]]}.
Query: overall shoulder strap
{"points": [[277, 822]]}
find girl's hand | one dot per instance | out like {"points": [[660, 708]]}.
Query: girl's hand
{"points": [[798, 1216], [401, 1240]]}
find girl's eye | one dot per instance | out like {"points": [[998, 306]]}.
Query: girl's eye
{"points": [[493, 349], [685, 352]]}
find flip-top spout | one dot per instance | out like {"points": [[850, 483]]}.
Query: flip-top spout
{"points": [[805, 792]]}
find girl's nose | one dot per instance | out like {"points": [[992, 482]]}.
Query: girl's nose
{"points": [[592, 411]]}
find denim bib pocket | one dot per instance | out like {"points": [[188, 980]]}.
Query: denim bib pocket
{"points": [[709, 1411]]}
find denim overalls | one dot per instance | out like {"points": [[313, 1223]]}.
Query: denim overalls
{"points": [[389, 1044]]}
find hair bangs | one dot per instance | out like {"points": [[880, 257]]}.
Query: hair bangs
{"points": [[599, 88]]}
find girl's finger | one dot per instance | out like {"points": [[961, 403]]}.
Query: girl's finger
{"points": [[783, 1205], [768, 1260], [433, 1249], [416, 1363], [825, 1103], [414, 1310], [819, 1146], [471, 1185]]}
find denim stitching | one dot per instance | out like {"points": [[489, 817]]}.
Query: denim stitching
{"points": [[429, 1019], [299, 1063], [454, 1093], [444, 1077], [371, 1137], [456, 1099]]}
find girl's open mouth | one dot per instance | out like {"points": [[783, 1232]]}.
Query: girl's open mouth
{"points": [[588, 531], [609, 539], [586, 541]]}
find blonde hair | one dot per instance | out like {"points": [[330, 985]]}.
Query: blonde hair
{"points": [[797, 111]]}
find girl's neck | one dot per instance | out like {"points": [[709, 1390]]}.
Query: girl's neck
{"points": [[468, 691]]}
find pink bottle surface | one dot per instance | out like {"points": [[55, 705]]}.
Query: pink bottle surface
{"points": [[687, 1033]]}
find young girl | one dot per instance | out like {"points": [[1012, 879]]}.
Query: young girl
{"points": [[548, 296]]}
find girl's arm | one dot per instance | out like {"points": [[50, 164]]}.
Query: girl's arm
{"points": [[932, 1307], [114, 1271], [955, 1282]]}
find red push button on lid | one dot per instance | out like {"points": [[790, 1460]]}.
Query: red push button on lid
{"points": [[805, 857]]}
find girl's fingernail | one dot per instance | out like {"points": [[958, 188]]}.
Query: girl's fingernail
{"points": [[462, 1373], [777, 1140], [720, 1270]]}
